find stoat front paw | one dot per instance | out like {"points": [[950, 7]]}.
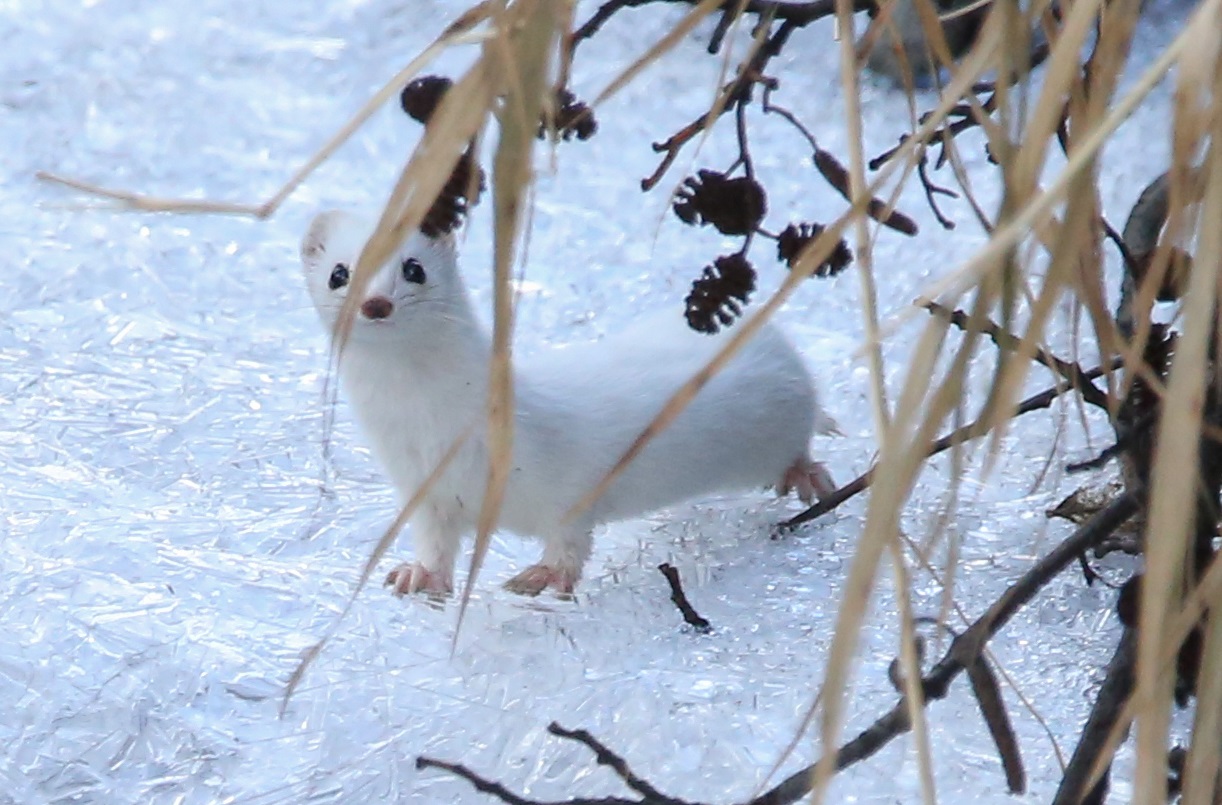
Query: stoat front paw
{"points": [[413, 577], [810, 479], [537, 578]]}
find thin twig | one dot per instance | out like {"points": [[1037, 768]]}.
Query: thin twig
{"points": [[1130, 260], [744, 146], [993, 708], [965, 649], [836, 175], [964, 652], [966, 116], [1117, 685], [1127, 435], [972, 430], [690, 616], [1071, 372], [736, 93], [605, 757], [799, 14], [932, 189], [478, 782]]}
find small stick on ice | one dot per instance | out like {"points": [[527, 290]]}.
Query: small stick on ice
{"points": [[690, 615]]}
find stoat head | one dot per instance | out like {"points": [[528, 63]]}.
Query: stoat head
{"points": [[413, 292]]}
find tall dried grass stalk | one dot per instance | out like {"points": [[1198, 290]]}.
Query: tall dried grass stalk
{"points": [[522, 50], [522, 54], [1198, 128]]}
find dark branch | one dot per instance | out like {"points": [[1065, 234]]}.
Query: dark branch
{"points": [[1071, 372], [690, 615], [993, 708], [972, 430], [1117, 685], [965, 649]]}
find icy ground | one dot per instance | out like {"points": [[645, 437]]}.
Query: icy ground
{"points": [[173, 541]]}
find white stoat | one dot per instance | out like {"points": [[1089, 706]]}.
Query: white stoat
{"points": [[416, 372]]}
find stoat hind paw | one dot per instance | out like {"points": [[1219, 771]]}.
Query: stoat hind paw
{"points": [[413, 577], [537, 578], [810, 479]]}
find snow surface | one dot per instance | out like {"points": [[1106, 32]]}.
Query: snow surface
{"points": [[174, 537]]}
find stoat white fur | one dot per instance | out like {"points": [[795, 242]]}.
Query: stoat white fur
{"points": [[415, 370]]}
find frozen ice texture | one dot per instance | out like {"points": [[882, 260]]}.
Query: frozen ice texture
{"points": [[174, 537]]}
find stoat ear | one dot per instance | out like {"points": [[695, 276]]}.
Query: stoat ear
{"points": [[446, 243], [315, 241]]}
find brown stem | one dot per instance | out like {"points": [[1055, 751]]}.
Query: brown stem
{"points": [[690, 616], [1071, 372], [972, 430], [1117, 685], [965, 649], [964, 652]]}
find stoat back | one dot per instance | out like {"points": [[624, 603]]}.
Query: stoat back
{"points": [[589, 402]]}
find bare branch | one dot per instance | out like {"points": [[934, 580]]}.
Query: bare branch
{"points": [[972, 430]]}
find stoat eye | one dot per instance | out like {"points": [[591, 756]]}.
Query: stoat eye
{"points": [[413, 271], [339, 276]]}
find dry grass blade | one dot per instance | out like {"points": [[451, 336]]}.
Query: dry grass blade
{"points": [[910, 664], [523, 53], [859, 195], [458, 32], [904, 442], [1201, 770], [1206, 596], [1071, 242], [964, 10], [1178, 441], [1065, 264], [379, 551], [453, 124], [1062, 70], [141, 202], [811, 258], [1026, 220]]}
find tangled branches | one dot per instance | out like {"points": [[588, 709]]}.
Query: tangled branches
{"points": [[964, 654], [735, 203]]}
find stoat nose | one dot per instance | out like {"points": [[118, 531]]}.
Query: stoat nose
{"points": [[379, 307]]}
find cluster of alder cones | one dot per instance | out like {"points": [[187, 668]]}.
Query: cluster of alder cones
{"points": [[734, 206], [570, 118]]}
